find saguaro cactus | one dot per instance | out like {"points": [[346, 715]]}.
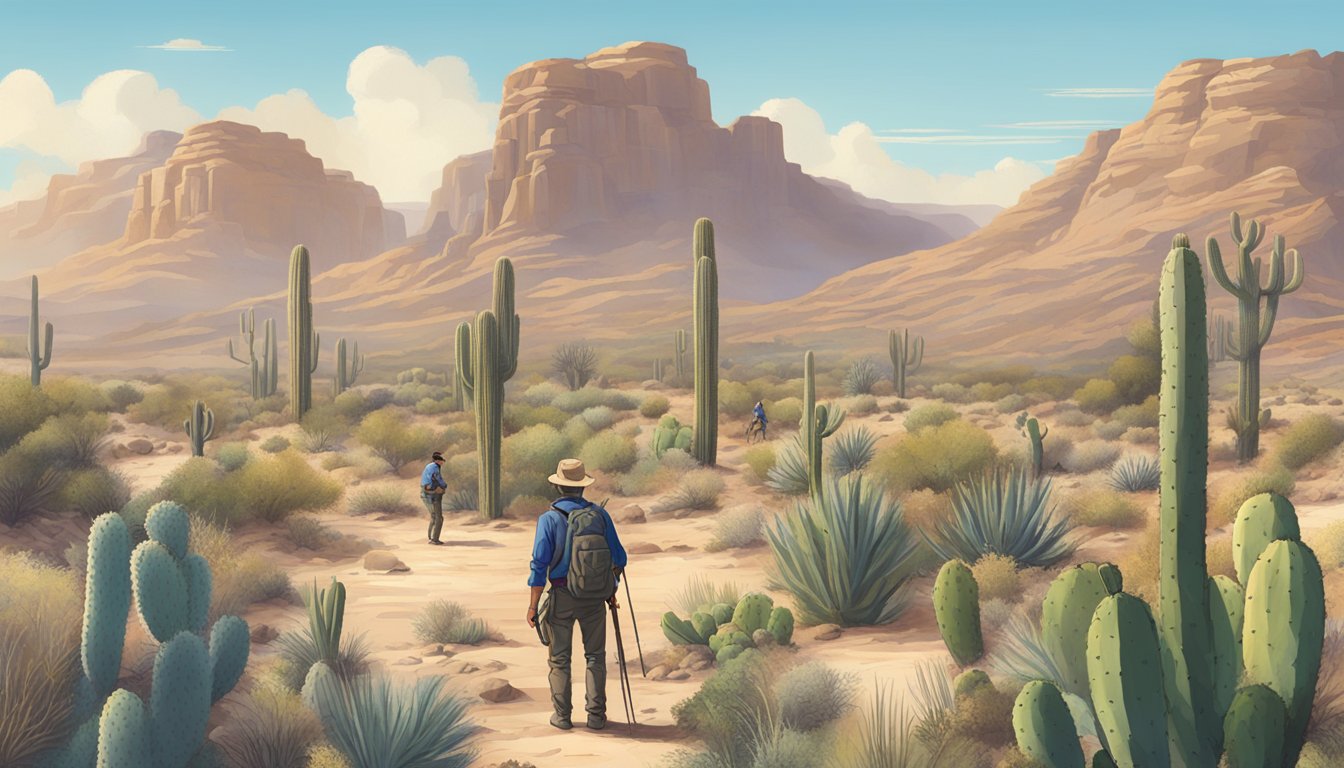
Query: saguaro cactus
{"points": [[347, 368], [1220, 338], [679, 344], [705, 304], [304, 342], [818, 423], [200, 426], [1255, 324], [905, 357], [1036, 435], [487, 356], [39, 353], [263, 369], [658, 371]]}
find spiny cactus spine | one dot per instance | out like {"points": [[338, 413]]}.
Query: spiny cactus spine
{"points": [[347, 368], [1255, 323], [705, 305], [818, 423], [200, 427], [956, 605], [905, 357], [39, 344], [487, 356], [304, 342]]}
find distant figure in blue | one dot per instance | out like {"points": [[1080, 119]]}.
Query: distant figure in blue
{"points": [[581, 588], [432, 487], [759, 410]]}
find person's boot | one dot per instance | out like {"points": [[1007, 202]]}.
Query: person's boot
{"points": [[560, 721], [597, 722]]}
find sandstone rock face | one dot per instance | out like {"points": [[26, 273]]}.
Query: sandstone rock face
{"points": [[461, 196], [266, 184], [1079, 257]]}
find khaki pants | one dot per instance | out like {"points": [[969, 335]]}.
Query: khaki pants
{"points": [[434, 504], [591, 616]]}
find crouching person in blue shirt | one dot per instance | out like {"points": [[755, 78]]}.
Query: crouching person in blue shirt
{"points": [[577, 550]]}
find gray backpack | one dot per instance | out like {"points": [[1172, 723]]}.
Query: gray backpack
{"points": [[590, 569]]}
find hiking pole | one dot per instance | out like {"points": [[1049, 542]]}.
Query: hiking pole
{"points": [[643, 671], [627, 697]]}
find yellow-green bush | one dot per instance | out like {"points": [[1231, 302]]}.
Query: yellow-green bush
{"points": [[1308, 439], [268, 726], [1135, 378], [952, 393], [1098, 396], [986, 715], [271, 488], [786, 413], [609, 452], [1227, 496], [653, 406], [527, 507], [1142, 414], [1011, 375], [934, 457], [1143, 561], [759, 460], [998, 578], [167, 403], [387, 435], [984, 392], [1103, 507], [1328, 543], [72, 395], [326, 756], [929, 416], [22, 409], [735, 399], [520, 416], [1051, 387]]}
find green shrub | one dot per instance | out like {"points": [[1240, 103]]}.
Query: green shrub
{"points": [[929, 416], [1110, 430], [698, 489], [1072, 417], [75, 396], [817, 547], [1143, 414], [1051, 387], [1135, 378], [1137, 473], [654, 406], [275, 487], [268, 727], [858, 405], [984, 715], [122, 395], [786, 413], [350, 404], [1006, 513], [67, 441], [443, 621], [729, 706], [28, 487], [248, 580], [1145, 338], [23, 408], [989, 393], [542, 394], [1308, 439], [1328, 543], [952, 393], [736, 528], [387, 435], [520, 416], [274, 444], [1098, 396], [323, 427], [789, 474], [94, 491], [407, 395], [598, 418], [381, 500], [735, 399], [165, 405], [852, 450], [1011, 403], [617, 400], [760, 459], [1228, 495], [861, 377], [1090, 456], [527, 507], [813, 695], [609, 452], [1103, 507], [579, 400], [935, 457], [998, 578], [232, 456], [308, 532]]}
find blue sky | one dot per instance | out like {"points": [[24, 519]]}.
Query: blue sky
{"points": [[989, 70]]}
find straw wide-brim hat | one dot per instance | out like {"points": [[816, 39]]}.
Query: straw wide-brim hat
{"points": [[570, 473]]}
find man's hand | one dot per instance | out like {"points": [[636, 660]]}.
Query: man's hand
{"points": [[612, 601], [532, 616]]}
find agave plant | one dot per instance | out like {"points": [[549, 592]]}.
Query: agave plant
{"points": [[844, 557], [789, 474], [861, 377], [1135, 473], [1003, 513], [852, 449]]}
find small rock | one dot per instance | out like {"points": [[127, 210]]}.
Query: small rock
{"points": [[1309, 400], [382, 560], [679, 548], [175, 448], [263, 634], [631, 513], [827, 632], [887, 417], [460, 668], [680, 674], [658, 673], [502, 525], [701, 651], [643, 548], [689, 661], [701, 665], [409, 661], [161, 444], [497, 690], [433, 649], [140, 445], [762, 638], [120, 452], [648, 710], [1334, 401]]}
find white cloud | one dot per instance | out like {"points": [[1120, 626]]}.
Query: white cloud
{"points": [[408, 121], [855, 156], [186, 44], [975, 140], [1100, 93]]}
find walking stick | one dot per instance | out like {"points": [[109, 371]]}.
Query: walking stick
{"points": [[643, 671], [627, 697]]}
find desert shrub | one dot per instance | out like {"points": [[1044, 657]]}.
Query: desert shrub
{"points": [[576, 362], [653, 406], [998, 578], [526, 507], [952, 393], [1103, 507], [925, 508], [735, 399], [858, 405], [985, 392], [275, 487], [1142, 414], [28, 487], [886, 735], [23, 408], [245, 581], [121, 395], [1328, 543], [94, 491], [381, 721], [736, 528], [520, 416], [1020, 653], [1098, 396], [339, 460], [1006, 513], [431, 407], [760, 459], [579, 400], [298, 653], [232, 456], [861, 377], [813, 695], [852, 450], [646, 477], [309, 533], [935, 457], [166, 404], [598, 417], [323, 427], [1136, 473], [699, 592], [1090, 456], [1140, 435], [387, 435], [268, 727], [464, 499], [529, 457], [380, 500], [1135, 378], [698, 489], [789, 474], [407, 395], [729, 706], [1227, 496], [67, 441], [1011, 403], [609, 452], [1110, 430], [817, 547], [786, 413], [678, 462], [1308, 439], [543, 393], [929, 416], [984, 715], [1051, 387], [1074, 418], [72, 395], [274, 444], [350, 404], [40, 610], [326, 756], [444, 621]]}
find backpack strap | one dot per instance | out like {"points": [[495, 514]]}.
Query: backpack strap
{"points": [[559, 551]]}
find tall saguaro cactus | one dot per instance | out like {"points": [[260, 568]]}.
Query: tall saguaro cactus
{"points": [[39, 353], [679, 345], [906, 357], [199, 427], [348, 367], [818, 423], [705, 305], [263, 369], [487, 356], [1255, 324], [304, 342]]}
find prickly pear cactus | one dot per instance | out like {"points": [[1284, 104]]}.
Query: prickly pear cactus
{"points": [[230, 644], [1124, 669], [722, 613], [704, 626], [123, 732], [679, 631], [1226, 609], [1254, 729], [1260, 520], [1044, 726], [179, 704], [107, 602], [1066, 615], [956, 604], [753, 612], [781, 625]]}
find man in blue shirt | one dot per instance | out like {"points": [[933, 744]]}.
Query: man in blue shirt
{"points": [[432, 487], [563, 609], [759, 412]]}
